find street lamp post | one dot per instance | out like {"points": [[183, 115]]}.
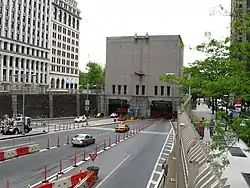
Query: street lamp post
{"points": [[87, 105]]}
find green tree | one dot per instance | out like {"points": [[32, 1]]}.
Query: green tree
{"points": [[94, 76]]}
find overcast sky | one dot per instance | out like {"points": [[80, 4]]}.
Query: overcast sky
{"points": [[190, 19]]}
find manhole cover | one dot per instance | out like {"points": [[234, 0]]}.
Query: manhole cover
{"points": [[246, 177], [236, 152]]}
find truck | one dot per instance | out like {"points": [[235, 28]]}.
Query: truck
{"points": [[16, 125]]}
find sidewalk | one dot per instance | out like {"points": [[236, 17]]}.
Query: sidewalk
{"points": [[238, 165]]}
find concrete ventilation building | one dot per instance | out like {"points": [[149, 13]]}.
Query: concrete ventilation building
{"points": [[24, 43], [134, 65], [65, 22]]}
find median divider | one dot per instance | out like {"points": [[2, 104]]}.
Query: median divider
{"points": [[84, 179], [18, 151]]}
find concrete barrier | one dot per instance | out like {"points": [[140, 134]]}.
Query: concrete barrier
{"points": [[18, 151], [196, 168], [84, 179]]}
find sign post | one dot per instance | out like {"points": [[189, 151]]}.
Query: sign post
{"points": [[87, 109]]}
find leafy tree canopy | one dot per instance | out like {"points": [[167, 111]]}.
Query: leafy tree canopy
{"points": [[94, 76]]}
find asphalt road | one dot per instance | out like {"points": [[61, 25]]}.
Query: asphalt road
{"points": [[130, 163], [29, 169]]}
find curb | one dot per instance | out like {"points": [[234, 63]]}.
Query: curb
{"points": [[21, 136]]}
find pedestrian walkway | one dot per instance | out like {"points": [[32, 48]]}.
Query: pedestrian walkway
{"points": [[238, 171]]}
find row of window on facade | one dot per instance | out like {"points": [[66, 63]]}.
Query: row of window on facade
{"points": [[141, 90], [23, 49], [63, 69], [63, 62], [29, 64], [29, 77], [66, 19], [63, 38], [63, 54], [65, 31]]}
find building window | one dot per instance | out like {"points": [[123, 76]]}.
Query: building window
{"points": [[137, 90], [119, 89], [156, 90], [162, 90], [125, 90], [143, 90], [168, 90], [113, 89]]}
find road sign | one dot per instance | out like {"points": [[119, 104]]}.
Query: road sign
{"points": [[87, 108], [86, 102], [93, 156]]}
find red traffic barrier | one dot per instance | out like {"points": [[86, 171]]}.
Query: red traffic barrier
{"points": [[7, 184], [48, 146], [22, 151], [104, 145], [60, 167], [45, 175], [2, 158], [84, 154], [74, 165], [58, 141]]}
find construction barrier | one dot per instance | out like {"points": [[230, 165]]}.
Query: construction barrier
{"points": [[17, 152], [86, 179]]}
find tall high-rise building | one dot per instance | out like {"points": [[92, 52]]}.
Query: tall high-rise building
{"points": [[65, 22], [24, 42]]}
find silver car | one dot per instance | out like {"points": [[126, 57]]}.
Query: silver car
{"points": [[82, 140]]}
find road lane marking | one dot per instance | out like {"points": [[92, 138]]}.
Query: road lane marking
{"points": [[154, 132], [110, 174], [158, 163]]}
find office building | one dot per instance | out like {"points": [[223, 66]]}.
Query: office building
{"points": [[65, 22], [134, 65], [24, 43]]}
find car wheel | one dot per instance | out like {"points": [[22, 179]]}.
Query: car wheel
{"points": [[93, 142], [16, 131]]}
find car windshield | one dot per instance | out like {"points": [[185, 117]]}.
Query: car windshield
{"points": [[79, 136]]}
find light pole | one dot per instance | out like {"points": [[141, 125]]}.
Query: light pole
{"points": [[87, 104], [24, 77], [178, 139]]}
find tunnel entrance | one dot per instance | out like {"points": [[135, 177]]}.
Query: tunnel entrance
{"points": [[162, 109]]}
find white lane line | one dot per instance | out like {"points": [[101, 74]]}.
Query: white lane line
{"points": [[118, 166], [157, 162]]}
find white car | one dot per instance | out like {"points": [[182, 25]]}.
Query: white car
{"points": [[113, 115], [80, 119], [82, 140]]}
